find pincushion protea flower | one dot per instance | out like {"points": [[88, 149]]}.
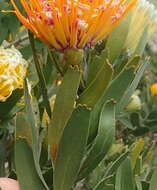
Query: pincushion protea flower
{"points": [[66, 24], [12, 72]]}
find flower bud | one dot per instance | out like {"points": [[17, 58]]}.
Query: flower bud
{"points": [[134, 103]]}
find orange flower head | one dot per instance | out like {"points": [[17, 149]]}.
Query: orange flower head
{"points": [[66, 24]]}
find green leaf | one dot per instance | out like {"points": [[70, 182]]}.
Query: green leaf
{"points": [[103, 186], [71, 149], [3, 155], [124, 101], [120, 63], [135, 152], [142, 43], [7, 106], [3, 27], [25, 167], [13, 24], [3, 4], [153, 182], [138, 166], [153, 158], [115, 91], [117, 38], [63, 107], [103, 183], [124, 177], [138, 183], [95, 63], [115, 165], [42, 81], [145, 185], [103, 140], [96, 88], [50, 71], [23, 129], [34, 128], [125, 120]]}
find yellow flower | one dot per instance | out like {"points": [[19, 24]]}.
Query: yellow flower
{"points": [[153, 89], [144, 17], [65, 24], [12, 71]]}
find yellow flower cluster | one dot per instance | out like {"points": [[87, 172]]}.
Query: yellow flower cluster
{"points": [[12, 71]]}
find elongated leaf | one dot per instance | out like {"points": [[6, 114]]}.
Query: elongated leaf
{"points": [[25, 167], [153, 182], [71, 149], [103, 141], [63, 107], [145, 185], [116, 164], [103, 183], [23, 129], [138, 183], [96, 88], [115, 91], [124, 101], [138, 166], [124, 176], [34, 128], [118, 35], [104, 187], [2, 157], [121, 83], [40, 74], [95, 63], [136, 150], [142, 43]]}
